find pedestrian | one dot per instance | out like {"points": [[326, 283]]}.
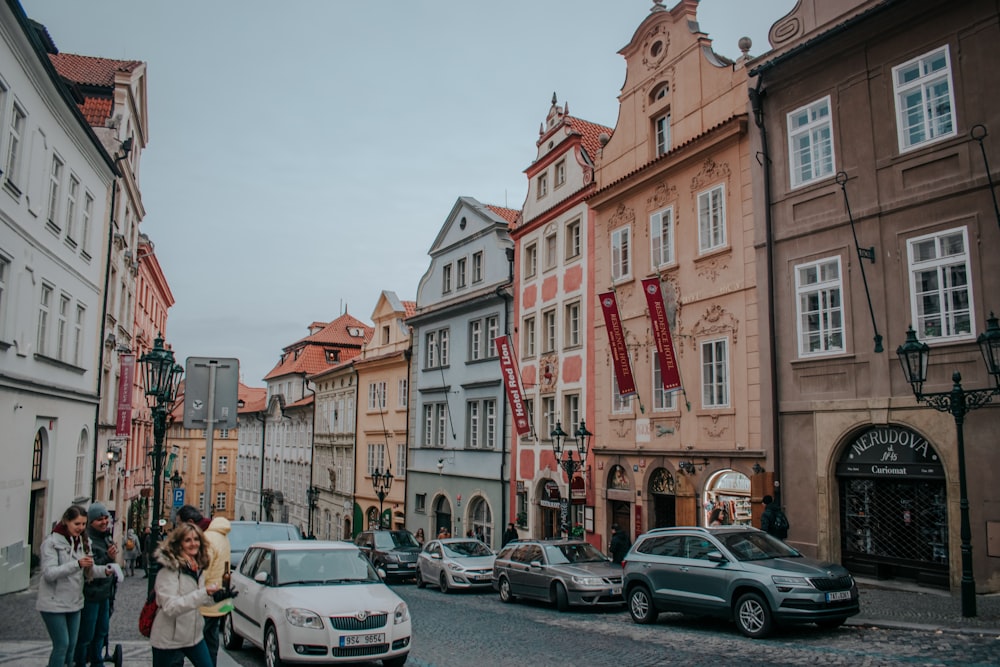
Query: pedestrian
{"points": [[191, 514], [620, 544], [65, 563], [217, 537], [773, 520], [149, 543], [719, 515], [510, 534], [420, 536], [97, 592], [132, 549], [178, 628]]}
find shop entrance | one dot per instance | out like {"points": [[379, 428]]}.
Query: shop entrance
{"points": [[662, 489]]}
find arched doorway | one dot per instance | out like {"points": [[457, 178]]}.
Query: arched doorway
{"points": [[727, 496], [481, 519], [550, 504], [36, 513], [893, 506], [662, 494], [620, 500], [442, 514]]}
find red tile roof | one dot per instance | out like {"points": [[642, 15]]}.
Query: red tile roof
{"points": [[508, 214], [410, 308], [90, 71], [254, 398], [308, 355], [590, 134]]}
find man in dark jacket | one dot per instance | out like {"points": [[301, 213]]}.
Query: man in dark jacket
{"points": [[97, 593], [773, 520], [619, 544]]}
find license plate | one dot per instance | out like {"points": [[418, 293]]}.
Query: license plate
{"points": [[362, 640], [837, 596], [616, 590]]}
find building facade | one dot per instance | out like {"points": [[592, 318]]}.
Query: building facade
{"points": [[333, 452], [877, 119], [459, 469]]}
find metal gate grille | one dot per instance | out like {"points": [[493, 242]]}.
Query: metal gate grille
{"points": [[892, 521]]}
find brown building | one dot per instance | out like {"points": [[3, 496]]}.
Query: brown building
{"points": [[870, 113]]}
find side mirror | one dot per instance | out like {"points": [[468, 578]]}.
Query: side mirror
{"points": [[262, 578], [381, 573], [716, 557], [436, 556], [536, 563]]}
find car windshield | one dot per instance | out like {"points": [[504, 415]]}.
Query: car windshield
{"points": [[310, 567], [395, 539], [758, 546], [242, 536], [577, 552], [466, 549]]}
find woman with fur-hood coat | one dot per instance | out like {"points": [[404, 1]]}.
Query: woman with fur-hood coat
{"points": [[180, 591]]}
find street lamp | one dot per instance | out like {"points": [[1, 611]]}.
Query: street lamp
{"points": [[162, 378], [381, 483], [564, 455], [913, 356], [313, 493]]}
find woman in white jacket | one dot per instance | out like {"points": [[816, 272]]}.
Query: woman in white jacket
{"points": [[180, 591], [65, 561]]}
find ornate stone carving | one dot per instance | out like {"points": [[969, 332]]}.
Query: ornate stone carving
{"points": [[710, 269], [711, 171], [662, 195], [716, 320], [716, 429], [622, 216], [655, 46]]}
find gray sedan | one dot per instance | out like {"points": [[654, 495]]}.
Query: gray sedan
{"points": [[457, 562]]}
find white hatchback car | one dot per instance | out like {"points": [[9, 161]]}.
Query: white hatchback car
{"points": [[316, 602], [455, 562]]}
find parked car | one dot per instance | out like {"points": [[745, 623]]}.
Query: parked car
{"points": [[244, 533], [457, 562], [394, 551], [734, 572], [316, 602], [564, 572]]}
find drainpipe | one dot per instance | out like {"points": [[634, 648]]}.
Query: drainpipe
{"points": [[757, 104]]}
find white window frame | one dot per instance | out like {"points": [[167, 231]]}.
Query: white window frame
{"points": [[5, 272], [560, 172], [460, 273], [88, 214], [56, 169], [72, 194], [619, 404], [222, 465], [571, 324], [712, 218], [571, 412], [551, 251], [62, 326], [661, 237], [663, 400], [446, 278], [477, 266], [661, 127], [573, 241], [810, 143], [819, 305], [542, 185], [475, 340], [952, 319], [530, 260], [549, 415], [44, 312], [549, 331], [934, 124], [492, 327], [15, 145], [715, 390], [401, 462], [528, 337], [621, 255], [403, 392], [376, 457]]}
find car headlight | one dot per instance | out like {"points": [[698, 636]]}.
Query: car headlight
{"points": [[401, 614], [455, 567], [791, 581], [303, 618], [390, 558], [588, 581]]}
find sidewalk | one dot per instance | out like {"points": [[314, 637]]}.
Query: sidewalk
{"points": [[893, 604], [36, 654]]}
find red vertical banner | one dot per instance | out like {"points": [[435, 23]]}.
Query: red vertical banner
{"points": [[123, 406], [619, 351], [670, 375], [512, 382]]}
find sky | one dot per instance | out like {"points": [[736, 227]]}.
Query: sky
{"points": [[303, 155]]}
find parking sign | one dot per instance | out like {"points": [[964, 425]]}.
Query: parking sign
{"points": [[178, 497]]}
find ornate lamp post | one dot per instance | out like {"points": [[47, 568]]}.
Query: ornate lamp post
{"points": [[162, 378], [564, 457], [381, 483], [913, 356], [313, 493]]}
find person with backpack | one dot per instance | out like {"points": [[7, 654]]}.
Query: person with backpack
{"points": [[132, 550], [773, 521]]}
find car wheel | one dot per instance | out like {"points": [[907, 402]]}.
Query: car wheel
{"points": [[443, 583], [272, 656], [505, 593], [831, 623], [230, 639], [640, 606], [753, 616], [420, 580], [397, 661], [562, 598]]}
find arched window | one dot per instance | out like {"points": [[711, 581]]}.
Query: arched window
{"points": [[481, 519], [36, 456]]}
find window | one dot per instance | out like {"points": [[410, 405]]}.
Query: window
{"points": [[819, 293], [715, 373], [619, 403], [925, 101], [661, 237], [223, 467], [220, 501], [81, 460], [482, 423], [810, 142], [403, 390], [571, 413], [44, 305], [492, 331], [376, 458], [385, 335], [81, 313], [474, 425], [551, 251], [940, 292], [436, 353], [549, 331], [201, 468], [543, 186], [528, 337], [662, 127], [549, 414], [477, 266], [435, 422], [4, 296], [530, 260], [376, 395], [573, 239], [15, 138], [529, 409], [88, 212], [401, 460], [224, 433], [621, 261], [446, 278], [662, 400], [476, 340], [571, 324], [560, 172], [460, 271], [74, 192], [420, 504], [55, 185], [712, 219], [62, 327]]}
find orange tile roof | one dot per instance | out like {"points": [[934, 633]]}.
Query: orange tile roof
{"points": [[590, 134], [91, 71], [96, 110], [410, 308], [254, 398], [508, 214], [308, 356]]}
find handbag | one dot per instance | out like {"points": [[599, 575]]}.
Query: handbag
{"points": [[147, 615]]}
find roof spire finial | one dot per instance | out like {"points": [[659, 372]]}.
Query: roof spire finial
{"points": [[554, 98], [658, 6]]}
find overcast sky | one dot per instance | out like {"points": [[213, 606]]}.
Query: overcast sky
{"points": [[304, 154]]}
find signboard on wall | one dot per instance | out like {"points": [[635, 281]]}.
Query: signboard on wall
{"points": [[890, 452]]}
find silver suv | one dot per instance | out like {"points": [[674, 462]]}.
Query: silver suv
{"points": [[734, 572]]}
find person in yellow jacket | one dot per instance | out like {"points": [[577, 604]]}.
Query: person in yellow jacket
{"points": [[217, 537]]}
